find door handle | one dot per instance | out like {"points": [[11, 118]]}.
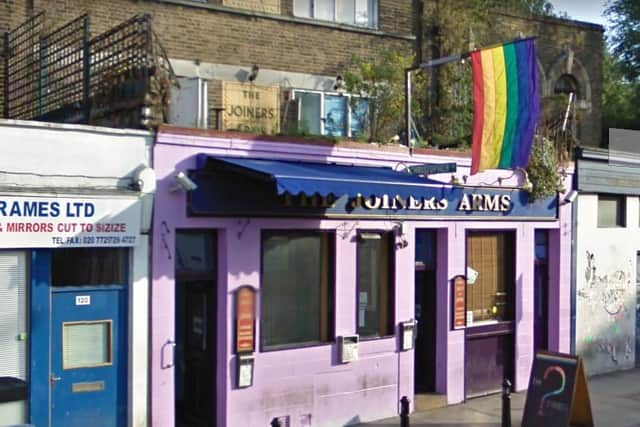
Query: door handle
{"points": [[53, 379], [171, 364]]}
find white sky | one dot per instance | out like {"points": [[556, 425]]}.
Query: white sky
{"points": [[582, 10]]}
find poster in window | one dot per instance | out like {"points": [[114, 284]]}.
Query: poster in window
{"points": [[459, 302], [245, 319]]}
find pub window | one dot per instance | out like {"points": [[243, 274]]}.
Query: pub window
{"points": [[491, 297], [375, 284], [362, 13], [297, 288], [611, 211], [330, 114]]}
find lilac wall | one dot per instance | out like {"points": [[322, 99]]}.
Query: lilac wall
{"points": [[308, 382]]}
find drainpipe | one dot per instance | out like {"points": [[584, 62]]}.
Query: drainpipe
{"points": [[574, 259]]}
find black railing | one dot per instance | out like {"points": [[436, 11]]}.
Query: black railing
{"points": [[120, 78], [21, 68]]}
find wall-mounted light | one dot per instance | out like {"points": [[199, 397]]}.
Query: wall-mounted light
{"points": [[571, 197], [400, 231], [183, 182], [254, 73]]}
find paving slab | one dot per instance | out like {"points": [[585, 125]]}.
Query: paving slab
{"points": [[615, 402]]}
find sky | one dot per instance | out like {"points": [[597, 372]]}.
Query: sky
{"points": [[582, 10]]}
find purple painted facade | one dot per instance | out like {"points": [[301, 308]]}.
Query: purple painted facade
{"points": [[309, 383]]}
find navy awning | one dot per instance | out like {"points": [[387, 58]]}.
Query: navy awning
{"points": [[295, 177]]}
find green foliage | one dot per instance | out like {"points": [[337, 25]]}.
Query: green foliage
{"points": [[625, 18], [543, 168], [382, 83], [443, 96], [621, 98], [534, 7]]}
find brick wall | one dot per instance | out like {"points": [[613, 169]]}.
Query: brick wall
{"points": [[554, 38], [212, 34], [193, 32]]}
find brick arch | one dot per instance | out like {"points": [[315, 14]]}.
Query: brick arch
{"points": [[569, 64]]}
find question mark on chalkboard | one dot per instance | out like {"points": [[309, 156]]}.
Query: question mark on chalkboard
{"points": [[557, 391]]}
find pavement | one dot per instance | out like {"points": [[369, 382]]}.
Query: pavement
{"points": [[615, 402]]}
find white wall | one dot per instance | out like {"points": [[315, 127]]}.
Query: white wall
{"points": [[606, 287], [44, 156]]}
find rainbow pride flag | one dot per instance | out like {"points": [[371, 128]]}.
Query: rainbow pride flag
{"points": [[506, 102]]}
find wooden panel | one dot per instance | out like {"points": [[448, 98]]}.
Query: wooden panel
{"points": [[250, 107]]}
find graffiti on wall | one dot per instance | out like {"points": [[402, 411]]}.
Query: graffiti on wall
{"points": [[604, 299]]}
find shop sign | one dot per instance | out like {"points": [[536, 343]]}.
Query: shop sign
{"points": [[245, 319], [221, 195], [459, 302], [251, 108], [51, 222]]}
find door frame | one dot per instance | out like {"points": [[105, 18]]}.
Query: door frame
{"points": [[40, 334], [219, 318]]}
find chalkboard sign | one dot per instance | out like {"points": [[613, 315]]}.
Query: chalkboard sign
{"points": [[558, 395]]}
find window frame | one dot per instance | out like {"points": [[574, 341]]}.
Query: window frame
{"points": [[621, 213], [322, 119], [373, 11], [391, 285], [330, 293], [507, 275]]}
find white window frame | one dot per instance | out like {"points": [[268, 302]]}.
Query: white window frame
{"points": [[322, 109], [372, 10]]}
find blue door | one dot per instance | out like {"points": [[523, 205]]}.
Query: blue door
{"points": [[88, 356]]}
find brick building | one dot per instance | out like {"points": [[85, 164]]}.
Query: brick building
{"points": [[247, 60]]}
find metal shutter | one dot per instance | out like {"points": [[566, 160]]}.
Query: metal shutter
{"points": [[13, 315]]}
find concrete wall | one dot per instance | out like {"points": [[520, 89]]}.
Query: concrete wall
{"points": [[606, 288]]}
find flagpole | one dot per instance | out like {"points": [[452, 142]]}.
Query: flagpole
{"points": [[436, 63]]}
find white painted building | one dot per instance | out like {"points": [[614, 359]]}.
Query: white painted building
{"points": [[75, 211], [607, 258]]}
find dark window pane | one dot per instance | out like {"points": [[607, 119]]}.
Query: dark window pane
{"points": [[297, 285], [426, 249], [375, 284], [89, 266], [542, 245], [194, 252]]}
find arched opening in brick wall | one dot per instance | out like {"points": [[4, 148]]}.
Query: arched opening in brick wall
{"points": [[566, 76]]}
